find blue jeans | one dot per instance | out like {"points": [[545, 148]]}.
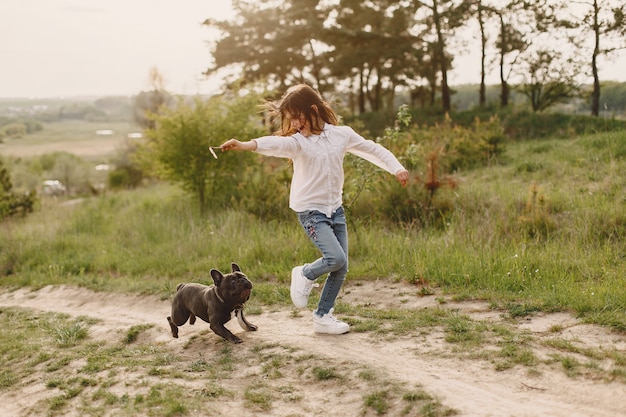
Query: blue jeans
{"points": [[330, 235]]}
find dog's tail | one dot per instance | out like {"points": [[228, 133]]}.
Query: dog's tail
{"points": [[179, 286]]}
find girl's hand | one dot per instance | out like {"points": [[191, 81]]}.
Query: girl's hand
{"points": [[235, 145], [403, 177]]}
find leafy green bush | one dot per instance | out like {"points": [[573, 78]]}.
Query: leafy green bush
{"points": [[432, 154], [178, 146], [124, 177], [12, 204]]}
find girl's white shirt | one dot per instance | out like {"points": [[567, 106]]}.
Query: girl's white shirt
{"points": [[318, 176]]}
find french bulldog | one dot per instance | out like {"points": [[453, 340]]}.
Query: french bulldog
{"points": [[213, 304]]}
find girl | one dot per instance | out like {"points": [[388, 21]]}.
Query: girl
{"points": [[311, 137]]}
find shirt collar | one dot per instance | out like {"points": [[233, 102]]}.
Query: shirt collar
{"points": [[315, 138]]}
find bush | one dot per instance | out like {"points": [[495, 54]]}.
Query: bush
{"points": [[12, 204], [179, 146], [14, 130], [125, 177]]}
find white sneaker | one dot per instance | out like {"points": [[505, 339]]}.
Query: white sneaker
{"points": [[301, 287], [329, 324]]}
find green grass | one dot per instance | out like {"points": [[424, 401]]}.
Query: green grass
{"points": [[546, 239], [542, 230]]}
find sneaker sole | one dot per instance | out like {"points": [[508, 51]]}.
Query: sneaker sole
{"points": [[324, 331]]}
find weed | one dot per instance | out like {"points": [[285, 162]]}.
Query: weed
{"points": [[570, 365], [514, 354], [7, 378], [258, 397], [69, 334], [415, 396], [199, 365], [134, 331], [461, 329], [213, 390], [556, 328], [272, 367], [378, 401], [367, 375], [536, 220], [324, 374], [521, 310]]}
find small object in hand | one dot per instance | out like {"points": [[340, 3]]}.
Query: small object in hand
{"points": [[212, 151]]}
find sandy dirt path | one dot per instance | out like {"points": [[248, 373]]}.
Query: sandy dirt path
{"points": [[471, 387]]}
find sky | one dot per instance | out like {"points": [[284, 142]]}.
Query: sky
{"points": [[65, 48], [53, 48]]}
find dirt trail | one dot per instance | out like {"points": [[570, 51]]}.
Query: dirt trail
{"points": [[471, 387]]}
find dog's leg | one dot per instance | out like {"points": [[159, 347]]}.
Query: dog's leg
{"points": [[192, 318], [179, 317], [220, 330], [243, 322], [173, 327]]}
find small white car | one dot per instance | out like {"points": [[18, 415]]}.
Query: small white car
{"points": [[53, 188]]}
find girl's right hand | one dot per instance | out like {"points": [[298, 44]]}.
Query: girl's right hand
{"points": [[235, 145]]}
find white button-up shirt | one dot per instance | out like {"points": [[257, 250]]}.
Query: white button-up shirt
{"points": [[318, 176]]}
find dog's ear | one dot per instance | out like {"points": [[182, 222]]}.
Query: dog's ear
{"points": [[235, 267], [217, 276]]}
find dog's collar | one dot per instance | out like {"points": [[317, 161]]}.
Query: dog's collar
{"points": [[217, 294]]}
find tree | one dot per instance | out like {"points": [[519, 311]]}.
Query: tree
{"points": [[525, 26], [179, 144], [602, 27], [440, 20], [548, 81], [271, 40], [510, 41], [485, 15], [481, 13], [371, 45]]}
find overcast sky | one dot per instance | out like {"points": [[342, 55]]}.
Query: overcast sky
{"points": [[103, 47], [53, 48]]}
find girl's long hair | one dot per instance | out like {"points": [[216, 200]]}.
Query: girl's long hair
{"points": [[302, 101]]}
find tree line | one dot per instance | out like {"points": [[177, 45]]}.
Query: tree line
{"points": [[373, 49]]}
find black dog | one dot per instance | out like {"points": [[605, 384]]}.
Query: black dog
{"points": [[213, 304]]}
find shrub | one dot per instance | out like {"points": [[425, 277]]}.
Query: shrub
{"points": [[12, 204], [14, 130], [125, 177], [432, 154], [179, 146]]}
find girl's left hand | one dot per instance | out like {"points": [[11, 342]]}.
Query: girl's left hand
{"points": [[403, 177]]}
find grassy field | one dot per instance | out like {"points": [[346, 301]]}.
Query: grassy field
{"points": [[540, 232], [543, 231]]}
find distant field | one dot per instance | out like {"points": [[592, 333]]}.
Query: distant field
{"points": [[76, 137]]}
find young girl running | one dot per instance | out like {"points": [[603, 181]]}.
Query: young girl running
{"points": [[311, 137]]}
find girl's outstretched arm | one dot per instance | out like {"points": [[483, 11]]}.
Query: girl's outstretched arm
{"points": [[235, 145]]}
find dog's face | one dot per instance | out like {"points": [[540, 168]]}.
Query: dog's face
{"points": [[234, 287]]}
